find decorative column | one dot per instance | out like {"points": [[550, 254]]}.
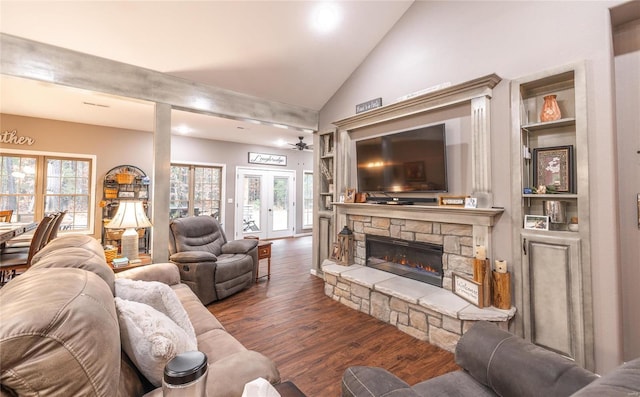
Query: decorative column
{"points": [[481, 151]]}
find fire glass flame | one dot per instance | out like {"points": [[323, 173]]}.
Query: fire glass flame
{"points": [[412, 259]]}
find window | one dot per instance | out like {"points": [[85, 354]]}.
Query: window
{"points": [[195, 190], [307, 194], [35, 185]]}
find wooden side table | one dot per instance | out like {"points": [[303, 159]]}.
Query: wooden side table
{"points": [[264, 252], [145, 260]]}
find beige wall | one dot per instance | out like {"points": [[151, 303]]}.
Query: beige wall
{"points": [[113, 147], [437, 42]]}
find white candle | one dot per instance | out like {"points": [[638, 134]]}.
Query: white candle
{"points": [[481, 252], [501, 266]]}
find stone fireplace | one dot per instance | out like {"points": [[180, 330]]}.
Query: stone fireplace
{"points": [[412, 259], [456, 230], [427, 312]]}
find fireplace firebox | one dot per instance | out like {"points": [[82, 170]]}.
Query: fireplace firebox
{"points": [[412, 259]]}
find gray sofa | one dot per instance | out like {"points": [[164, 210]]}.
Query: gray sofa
{"points": [[211, 266], [497, 363], [60, 333]]}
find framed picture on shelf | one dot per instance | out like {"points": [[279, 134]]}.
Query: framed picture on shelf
{"points": [[536, 222], [554, 167], [350, 195], [143, 194]]}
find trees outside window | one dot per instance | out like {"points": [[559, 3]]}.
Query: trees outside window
{"points": [[195, 190], [33, 186]]}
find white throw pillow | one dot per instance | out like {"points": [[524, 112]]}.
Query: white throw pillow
{"points": [[150, 338], [159, 296]]}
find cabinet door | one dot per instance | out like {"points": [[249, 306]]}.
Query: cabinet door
{"points": [[552, 282], [324, 243]]}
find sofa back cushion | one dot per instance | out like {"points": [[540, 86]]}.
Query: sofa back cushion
{"points": [[75, 251], [512, 366], [59, 334], [196, 233]]}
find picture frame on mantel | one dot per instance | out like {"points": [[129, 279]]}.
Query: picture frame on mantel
{"points": [[553, 166]]}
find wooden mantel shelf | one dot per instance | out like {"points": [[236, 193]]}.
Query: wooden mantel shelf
{"points": [[433, 213]]}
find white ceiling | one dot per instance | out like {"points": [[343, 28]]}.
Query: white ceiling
{"points": [[266, 49]]}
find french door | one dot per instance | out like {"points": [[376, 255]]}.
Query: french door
{"points": [[265, 203]]}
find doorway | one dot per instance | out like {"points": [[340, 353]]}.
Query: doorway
{"points": [[265, 206]]}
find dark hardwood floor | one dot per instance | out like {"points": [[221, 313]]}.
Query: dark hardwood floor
{"points": [[312, 338]]}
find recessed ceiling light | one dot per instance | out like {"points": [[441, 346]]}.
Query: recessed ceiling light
{"points": [[325, 17], [281, 142]]}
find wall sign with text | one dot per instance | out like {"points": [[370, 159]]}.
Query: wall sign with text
{"points": [[267, 159], [13, 137]]}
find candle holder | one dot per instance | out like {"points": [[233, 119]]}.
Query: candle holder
{"points": [[345, 246]]}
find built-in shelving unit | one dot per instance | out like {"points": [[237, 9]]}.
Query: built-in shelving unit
{"points": [[324, 194], [124, 182], [552, 266]]}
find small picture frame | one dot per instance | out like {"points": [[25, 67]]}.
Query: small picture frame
{"points": [[536, 222], [467, 289], [335, 252], [452, 201], [553, 166], [471, 202], [143, 194], [350, 195], [126, 194]]}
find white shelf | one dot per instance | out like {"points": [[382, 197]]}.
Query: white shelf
{"points": [[532, 127], [552, 196]]}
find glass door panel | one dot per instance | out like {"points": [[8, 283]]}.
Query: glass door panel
{"points": [[251, 204]]}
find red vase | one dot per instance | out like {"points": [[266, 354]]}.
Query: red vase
{"points": [[550, 109]]}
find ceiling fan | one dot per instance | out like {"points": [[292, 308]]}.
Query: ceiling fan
{"points": [[301, 145]]}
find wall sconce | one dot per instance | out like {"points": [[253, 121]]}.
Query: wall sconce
{"points": [[130, 215]]}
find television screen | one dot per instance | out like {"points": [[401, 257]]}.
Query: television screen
{"points": [[407, 161]]}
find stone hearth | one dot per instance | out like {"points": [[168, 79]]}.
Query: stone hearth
{"points": [[424, 311]]}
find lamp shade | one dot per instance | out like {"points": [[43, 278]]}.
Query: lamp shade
{"points": [[130, 214]]}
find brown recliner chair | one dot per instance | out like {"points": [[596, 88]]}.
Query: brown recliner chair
{"points": [[211, 266]]}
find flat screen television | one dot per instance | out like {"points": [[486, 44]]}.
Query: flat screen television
{"points": [[408, 161]]}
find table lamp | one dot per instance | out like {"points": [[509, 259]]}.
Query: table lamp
{"points": [[129, 216]]}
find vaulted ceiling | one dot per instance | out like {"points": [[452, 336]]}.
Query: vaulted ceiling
{"points": [[267, 49]]}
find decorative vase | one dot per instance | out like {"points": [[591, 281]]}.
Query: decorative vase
{"points": [[550, 109]]}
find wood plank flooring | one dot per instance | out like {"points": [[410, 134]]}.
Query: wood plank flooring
{"points": [[312, 338]]}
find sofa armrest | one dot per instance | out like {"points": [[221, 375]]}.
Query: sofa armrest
{"points": [[512, 366], [193, 257], [167, 273], [239, 246], [361, 381]]}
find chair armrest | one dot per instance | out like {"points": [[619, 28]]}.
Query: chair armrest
{"points": [[193, 257], [167, 273], [239, 246], [512, 366], [362, 381]]}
